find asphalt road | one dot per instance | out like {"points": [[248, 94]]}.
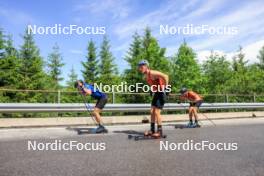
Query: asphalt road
{"points": [[123, 157]]}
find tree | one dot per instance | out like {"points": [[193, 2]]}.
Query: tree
{"points": [[153, 53], [3, 62], [217, 71], [72, 78], [2, 43], [10, 50], [9, 64], [185, 69], [54, 65], [239, 83], [71, 96], [31, 71], [131, 74], [239, 63], [107, 68], [256, 77], [261, 58], [90, 72], [134, 55]]}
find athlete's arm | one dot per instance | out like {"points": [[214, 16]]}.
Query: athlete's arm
{"points": [[161, 75], [86, 91], [182, 97]]}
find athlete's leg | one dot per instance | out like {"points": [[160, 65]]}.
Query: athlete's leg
{"points": [[152, 120], [152, 115], [96, 113], [159, 121], [158, 116], [190, 113], [195, 111], [195, 114], [98, 109], [157, 104], [100, 128]]}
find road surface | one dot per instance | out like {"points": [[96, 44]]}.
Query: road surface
{"points": [[119, 156]]}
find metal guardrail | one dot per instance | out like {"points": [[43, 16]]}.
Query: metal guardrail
{"points": [[57, 96], [77, 107]]}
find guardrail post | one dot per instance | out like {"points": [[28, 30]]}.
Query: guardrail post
{"points": [[254, 97], [113, 94], [59, 96], [227, 98]]}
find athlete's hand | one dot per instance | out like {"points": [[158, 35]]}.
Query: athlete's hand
{"points": [[81, 90]]}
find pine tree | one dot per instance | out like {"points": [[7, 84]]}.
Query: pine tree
{"points": [[3, 61], [186, 71], [71, 96], [31, 70], [54, 65], [134, 55], [90, 72], [107, 68], [9, 64], [2, 43], [132, 75], [4, 67], [261, 58], [72, 78], [153, 53], [10, 50]]}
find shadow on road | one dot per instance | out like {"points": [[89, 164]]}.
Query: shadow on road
{"points": [[78, 128], [129, 132], [173, 125]]}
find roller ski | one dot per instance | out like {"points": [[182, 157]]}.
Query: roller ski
{"points": [[147, 136], [189, 125], [98, 130]]}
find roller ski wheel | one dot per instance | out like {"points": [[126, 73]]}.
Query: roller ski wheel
{"points": [[143, 137], [148, 133], [81, 131]]}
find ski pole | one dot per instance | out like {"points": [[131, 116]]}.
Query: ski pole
{"points": [[201, 113], [88, 107], [208, 118]]}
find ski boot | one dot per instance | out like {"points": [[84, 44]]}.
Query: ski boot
{"points": [[196, 125], [101, 129], [189, 125]]}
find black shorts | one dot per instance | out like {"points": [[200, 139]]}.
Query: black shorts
{"points": [[158, 100], [100, 104], [196, 104]]}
